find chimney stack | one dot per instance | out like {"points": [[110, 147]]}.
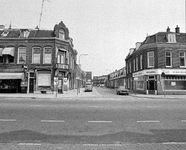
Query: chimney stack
{"points": [[168, 29], [177, 29]]}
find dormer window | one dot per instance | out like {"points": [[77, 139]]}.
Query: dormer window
{"points": [[171, 38], [5, 33], [62, 34], [24, 33]]}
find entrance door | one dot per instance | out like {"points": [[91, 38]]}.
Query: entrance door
{"points": [[31, 85], [151, 87]]}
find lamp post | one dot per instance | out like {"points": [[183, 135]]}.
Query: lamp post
{"points": [[79, 85]]}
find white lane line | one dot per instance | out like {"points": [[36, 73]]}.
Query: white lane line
{"points": [[29, 144], [183, 120], [176, 143], [148, 121], [95, 106], [53, 121], [153, 106], [100, 121], [8, 120]]}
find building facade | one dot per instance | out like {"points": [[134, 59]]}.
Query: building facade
{"points": [[34, 60], [158, 65]]}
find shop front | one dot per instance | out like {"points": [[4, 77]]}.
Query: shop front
{"points": [[160, 81], [12, 82]]}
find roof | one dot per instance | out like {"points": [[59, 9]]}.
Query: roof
{"points": [[15, 33]]}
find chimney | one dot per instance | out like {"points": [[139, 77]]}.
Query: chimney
{"points": [[168, 29], [177, 29]]}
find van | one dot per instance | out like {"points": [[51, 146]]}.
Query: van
{"points": [[88, 87]]}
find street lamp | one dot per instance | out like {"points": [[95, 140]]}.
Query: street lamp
{"points": [[80, 56]]}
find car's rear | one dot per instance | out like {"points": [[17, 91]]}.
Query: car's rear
{"points": [[88, 88], [122, 90]]}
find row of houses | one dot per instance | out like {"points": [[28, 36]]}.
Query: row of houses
{"points": [[155, 66], [35, 60]]}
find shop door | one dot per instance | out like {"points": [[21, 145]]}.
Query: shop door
{"points": [[31, 85], [151, 87]]}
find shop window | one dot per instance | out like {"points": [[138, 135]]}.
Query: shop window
{"points": [[21, 55], [36, 54], [150, 59], [182, 59], [47, 55], [168, 59]]}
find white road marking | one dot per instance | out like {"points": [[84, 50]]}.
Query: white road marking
{"points": [[183, 120], [53, 121], [29, 144], [8, 120], [102, 144], [95, 106], [177, 143], [153, 106], [100, 121], [148, 121]]}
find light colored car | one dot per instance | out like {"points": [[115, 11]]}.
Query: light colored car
{"points": [[122, 90]]}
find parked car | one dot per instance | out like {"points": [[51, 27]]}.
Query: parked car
{"points": [[122, 90]]}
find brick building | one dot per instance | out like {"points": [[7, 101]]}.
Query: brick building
{"points": [[34, 60], [158, 65]]}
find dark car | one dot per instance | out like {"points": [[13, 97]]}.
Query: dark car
{"points": [[122, 90]]}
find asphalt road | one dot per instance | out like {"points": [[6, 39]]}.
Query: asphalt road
{"points": [[108, 119]]}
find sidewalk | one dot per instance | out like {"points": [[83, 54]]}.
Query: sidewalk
{"points": [[67, 94]]}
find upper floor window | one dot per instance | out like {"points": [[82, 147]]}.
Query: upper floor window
{"points": [[21, 55], [171, 38], [150, 59], [5, 33], [7, 56], [168, 59], [182, 59], [141, 59], [62, 34], [61, 57], [136, 63], [130, 67], [47, 55], [36, 55], [24, 33]]}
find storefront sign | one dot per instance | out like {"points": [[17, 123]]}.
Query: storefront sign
{"points": [[173, 83]]}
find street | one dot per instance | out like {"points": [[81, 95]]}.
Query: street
{"points": [[105, 119]]}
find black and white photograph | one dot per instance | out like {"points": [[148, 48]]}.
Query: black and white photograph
{"points": [[93, 75]]}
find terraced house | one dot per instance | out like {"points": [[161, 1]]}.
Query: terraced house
{"points": [[34, 60], [158, 65]]}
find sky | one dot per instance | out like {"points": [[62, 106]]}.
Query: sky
{"points": [[103, 29]]}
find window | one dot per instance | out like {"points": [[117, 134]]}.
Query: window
{"points": [[182, 59], [36, 54], [61, 57], [171, 38], [168, 59], [150, 57], [47, 55], [62, 34], [141, 59], [21, 55], [136, 63], [130, 67]]}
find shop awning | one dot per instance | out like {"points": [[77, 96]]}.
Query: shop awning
{"points": [[8, 51], [1, 50], [4, 76]]}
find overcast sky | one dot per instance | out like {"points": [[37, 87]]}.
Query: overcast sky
{"points": [[103, 29]]}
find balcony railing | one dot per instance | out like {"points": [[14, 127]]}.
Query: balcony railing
{"points": [[62, 66]]}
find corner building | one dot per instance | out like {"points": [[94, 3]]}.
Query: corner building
{"points": [[158, 65], [36, 60]]}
